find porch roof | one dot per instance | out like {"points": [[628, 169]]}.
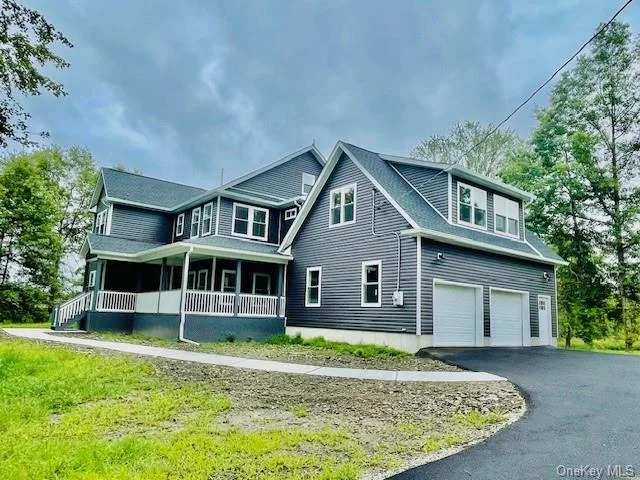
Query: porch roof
{"points": [[95, 243]]}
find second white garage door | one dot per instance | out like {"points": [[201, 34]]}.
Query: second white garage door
{"points": [[457, 315], [509, 318]]}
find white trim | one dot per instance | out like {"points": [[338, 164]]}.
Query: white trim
{"points": [[418, 192], [479, 299], [506, 216], [363, 284], [549, 307], [171, 279], [180, 225], [250, 221], [342, 190], [148, 206], [103, 274], [526, 313], [288, 214], [218, 202], [204, 232], [227, 271], [450, 196], [109, 219], [91, 281], [472, 224], [206, 279], [193, 215], [213, 274], [253, 283], [307, 286], [418, 285], [455, 240], [555, 288], [97, 190]]}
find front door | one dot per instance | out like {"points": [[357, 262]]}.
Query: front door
{"points": [[544, 319]]}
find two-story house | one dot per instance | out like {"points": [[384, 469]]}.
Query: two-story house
{"points": [[368, 248]]}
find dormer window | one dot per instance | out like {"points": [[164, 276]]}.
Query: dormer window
{"points": [[507, 216], [307, 183], [195, 222], [472, 206], [249, 221]]}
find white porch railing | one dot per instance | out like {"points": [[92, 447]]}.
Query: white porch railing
{"points": [[257, 305], [209, 303], [282, 307], [71, 308], [116, 301]]}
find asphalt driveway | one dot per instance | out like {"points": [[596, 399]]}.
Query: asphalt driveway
{"points": [[583, 417]]}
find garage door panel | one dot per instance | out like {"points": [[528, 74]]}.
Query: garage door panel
{"points": [[508, 318], [454, 315]]}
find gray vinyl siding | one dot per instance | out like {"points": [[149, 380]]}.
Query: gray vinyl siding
{"points": [[490, 210], [285, 225], [186, 233], [340, 251], [433, 186], [140, 224], [486, 269], [226, 217], [284, 180]]}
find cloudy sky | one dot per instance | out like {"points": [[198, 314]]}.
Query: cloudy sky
{"points": [[182, 89]]}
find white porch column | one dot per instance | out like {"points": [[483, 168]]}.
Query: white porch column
{"points": [[97, 285], [236, 305], [183, 291], [163, 274]]}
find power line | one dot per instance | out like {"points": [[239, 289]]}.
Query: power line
{"points": [[529, 98]]}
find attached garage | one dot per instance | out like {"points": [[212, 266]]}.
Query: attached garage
{"points": [[509, 316], [457, 314]]}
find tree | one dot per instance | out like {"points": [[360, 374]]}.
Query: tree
{"points": [[121, 167], [26, 38], [470, 145]]}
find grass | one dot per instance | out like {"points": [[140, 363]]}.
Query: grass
{"points": [[25, 325], [478, 420], [359, 350], [298, 410], [64, 414], [603, 345]]}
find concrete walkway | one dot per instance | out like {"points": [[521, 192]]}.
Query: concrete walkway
{"points": [[266, 365]]}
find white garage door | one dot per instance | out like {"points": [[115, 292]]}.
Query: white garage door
{"points": [[454, 315], [509, 319]]}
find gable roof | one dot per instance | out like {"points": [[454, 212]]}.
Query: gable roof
{"points": [[424, 219], [134, 189]]}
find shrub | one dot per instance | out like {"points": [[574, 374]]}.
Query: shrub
{"points": [[362, 350]]}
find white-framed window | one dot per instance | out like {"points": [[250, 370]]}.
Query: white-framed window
{"points": [[101, 222], [506, 216], [250, 222], [371, 283], [472, 206], [207, 213], [261, 284], [228, 281], [191, 280], [290, 213], [180, 225], [92, 279], [203, 277], [342, 205], [313, 287], [195, 222], [308, 181]]}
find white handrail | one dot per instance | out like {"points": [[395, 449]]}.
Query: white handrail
{"points": [[282, 307], [257, 305], [209, 303], [116, 301], [71, 308]]}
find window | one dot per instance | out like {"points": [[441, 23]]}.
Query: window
{"points": [[92, 279], [191, 281], [250, 221], [307, 183], [312, 289], [472, 206], [261, 284], [101, 222], [195, 222], [290, 213], [180, 225], [507, 216], [207, 211], [371, 281], [228, 281], [342, 205], [203, 276]]}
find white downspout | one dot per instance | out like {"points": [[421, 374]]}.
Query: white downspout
{"points": [[183, 297]]}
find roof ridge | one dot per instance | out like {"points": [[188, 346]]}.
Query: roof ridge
{"points": [[153, 178]]}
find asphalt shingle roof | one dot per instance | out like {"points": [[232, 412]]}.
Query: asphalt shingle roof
{"points": [[427, 217], [146, 190], [233, 243], [107, 243]]}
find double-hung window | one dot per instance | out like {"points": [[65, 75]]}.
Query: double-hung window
{"points": [[206, 219], [180, 225], [91, 283], [195, 222], [250, 221], [312, 288], [507, 216], [472, 206], [307, 183], [342, 205], [371, 283], [101, 222]]}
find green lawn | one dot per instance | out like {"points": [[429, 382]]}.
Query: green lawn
{"points": [[605, 345], [25, 325], [65, 414]]}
